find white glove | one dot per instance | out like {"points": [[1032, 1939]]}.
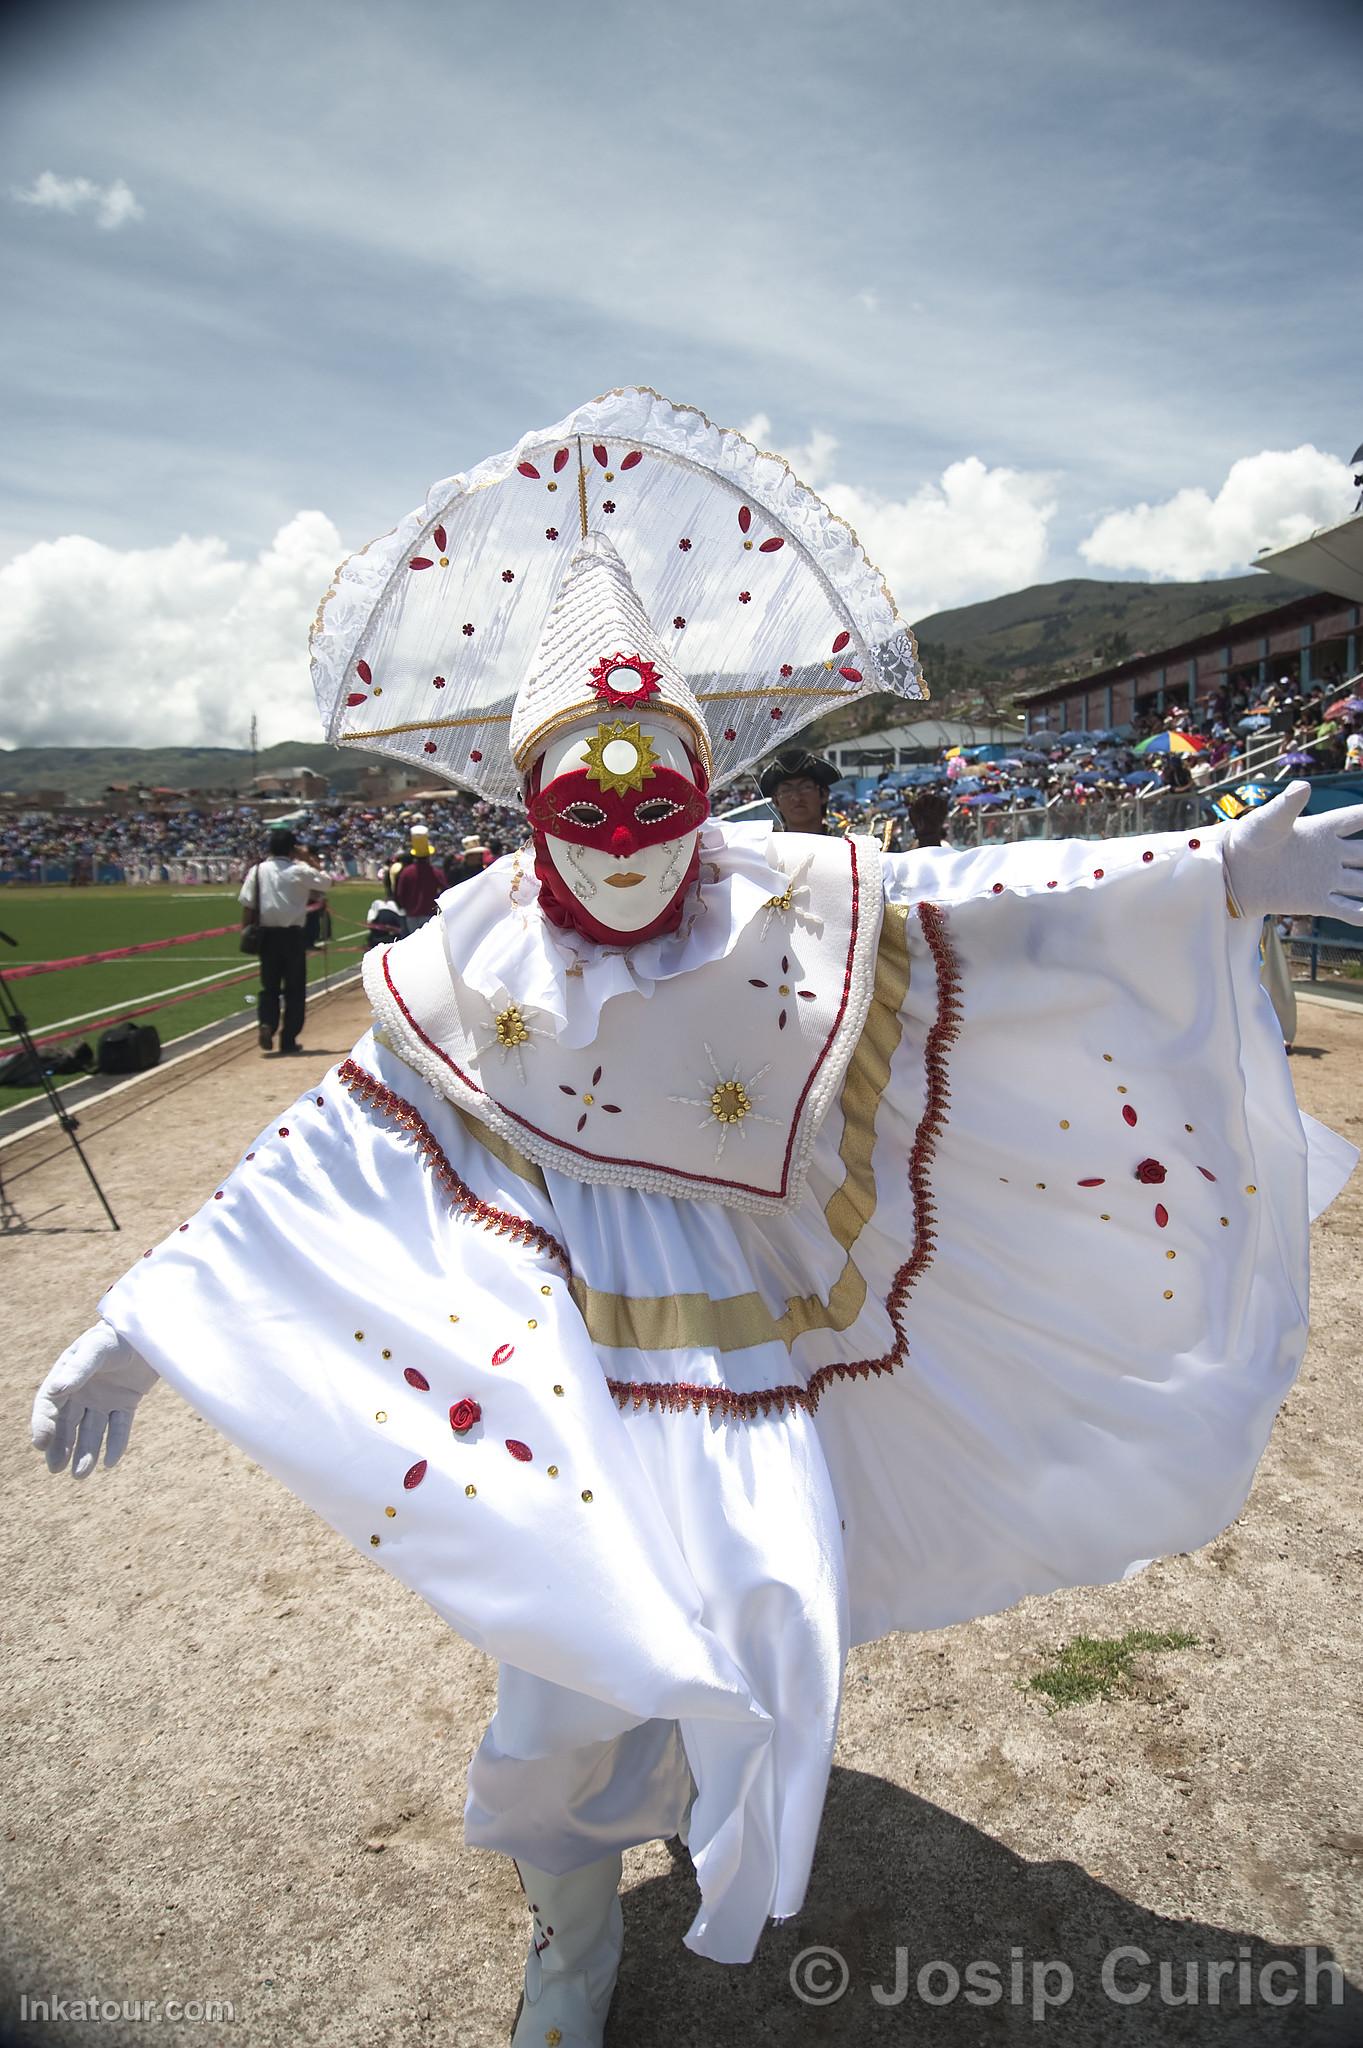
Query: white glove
{"points": [[94, 1386], [1278, 860]]}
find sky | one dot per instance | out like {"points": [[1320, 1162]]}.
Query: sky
{"points": [[1026, 292]]}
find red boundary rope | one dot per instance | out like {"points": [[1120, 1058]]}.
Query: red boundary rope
{"points": [[218, 931]]}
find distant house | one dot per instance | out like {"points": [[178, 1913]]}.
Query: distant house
{"points": [[303, 783], [381, 781], [901, 746]]}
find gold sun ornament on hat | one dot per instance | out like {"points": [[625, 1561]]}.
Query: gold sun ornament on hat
{"points": [[620, 757]]}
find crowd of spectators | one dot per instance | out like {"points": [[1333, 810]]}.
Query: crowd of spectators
{"points": [[219, 837]]}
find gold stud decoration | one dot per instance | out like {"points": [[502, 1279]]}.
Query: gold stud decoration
{"points": [[510, 1027], [729, 1102]]}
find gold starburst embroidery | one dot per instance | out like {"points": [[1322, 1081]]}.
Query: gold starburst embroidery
{"points": [[729, 1101]]}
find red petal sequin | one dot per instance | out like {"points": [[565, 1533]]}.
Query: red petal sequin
{"points": [[1161, 1215], [560, 460], [519, 1450], [853, 675], [420, 562], [414, 1474], [438, 536], [357, 697], [502, 1353], [634, 457], [599, 451], [843, 640], [417, 1379], [1128, 1113], [1206, 1173], [1099, 1183], [744, 518], [769, 547], [527, 469], [364, 672]]}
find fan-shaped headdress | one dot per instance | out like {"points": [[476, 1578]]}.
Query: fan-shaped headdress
{"points": [[758, 604]]}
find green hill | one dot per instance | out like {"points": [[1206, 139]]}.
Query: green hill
{"points": [[88, 771]]}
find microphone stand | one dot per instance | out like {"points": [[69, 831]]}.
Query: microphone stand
{"points": [[14, 1021]]}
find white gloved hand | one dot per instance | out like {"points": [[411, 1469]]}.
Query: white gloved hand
{"points": [[93, 1388], [1278, 860]]}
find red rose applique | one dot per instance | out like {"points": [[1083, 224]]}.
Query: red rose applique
{"points": [[1150, 1173], [463, 1415]]}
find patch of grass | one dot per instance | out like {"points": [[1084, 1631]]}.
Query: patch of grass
{"points": [[1094, 1667]]}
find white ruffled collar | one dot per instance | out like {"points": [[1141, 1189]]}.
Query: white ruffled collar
{"points": [[498, 942]]}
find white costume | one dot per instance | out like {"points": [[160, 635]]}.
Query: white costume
{"points": [[893, 1238]]}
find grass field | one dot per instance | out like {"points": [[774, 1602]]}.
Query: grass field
{"points": [[200, 983]]}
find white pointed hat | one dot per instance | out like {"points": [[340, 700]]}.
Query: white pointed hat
{"points": [[599, 655]]}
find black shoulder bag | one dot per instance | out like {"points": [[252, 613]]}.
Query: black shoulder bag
{"points": [[250, 931]]}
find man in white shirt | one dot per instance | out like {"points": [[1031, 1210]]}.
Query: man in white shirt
{"points": [[281, 885]]}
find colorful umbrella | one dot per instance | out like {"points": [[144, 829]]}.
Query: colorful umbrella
{"points": [[1347, 707], [1297, 758], [1172, 743]]}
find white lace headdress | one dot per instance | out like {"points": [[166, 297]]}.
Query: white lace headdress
{"points": [[764, 603]]}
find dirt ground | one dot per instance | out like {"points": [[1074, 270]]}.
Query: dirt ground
{"points": [[236, 1753]]}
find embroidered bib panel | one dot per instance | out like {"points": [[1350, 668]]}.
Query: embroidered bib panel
{"points": [[712, 1088]]}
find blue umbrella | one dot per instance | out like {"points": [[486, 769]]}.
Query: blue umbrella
{"points": [[1256, 721], [1140, 779]]}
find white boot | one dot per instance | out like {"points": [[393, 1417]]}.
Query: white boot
{"points": [[577, 1934]]}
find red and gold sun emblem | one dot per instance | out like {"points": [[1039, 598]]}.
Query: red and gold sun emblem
{"points": [[625, 679]]}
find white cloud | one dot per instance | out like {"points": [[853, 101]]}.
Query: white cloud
{"points": [[172, 645], [113, 205], [975, 533], [1267, 500], [869, 300]]}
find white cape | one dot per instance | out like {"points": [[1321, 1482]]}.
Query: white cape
{"points": [[1027, 1327]]}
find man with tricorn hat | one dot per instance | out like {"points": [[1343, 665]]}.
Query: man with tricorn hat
{"points": [[797, 783], [749, 1247]]}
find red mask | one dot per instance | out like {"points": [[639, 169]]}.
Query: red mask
{"points": [[574, 807]]}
